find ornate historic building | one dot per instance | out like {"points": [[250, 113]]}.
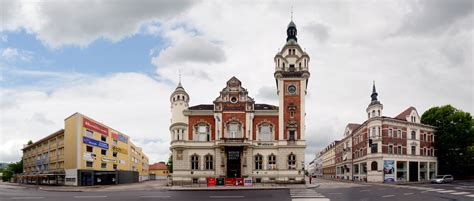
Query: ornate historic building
{"points": [[236, 137]]}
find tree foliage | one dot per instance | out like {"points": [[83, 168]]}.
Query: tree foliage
{"points": [[11, 169], [454, 140]]}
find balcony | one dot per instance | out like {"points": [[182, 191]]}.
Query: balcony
{"points": [[234, 141]]}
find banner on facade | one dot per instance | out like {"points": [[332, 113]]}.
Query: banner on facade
{"points": [[211, 181], [247, 181], [389, 171], [89, 156], [95, 127], [109, 160], [120, 150], [93, 142]]}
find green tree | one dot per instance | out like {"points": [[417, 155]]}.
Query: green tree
{"points": [[12, 168], [454, 140], [30, 142], [170, 164]]}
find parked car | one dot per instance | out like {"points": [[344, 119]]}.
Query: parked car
{"points": [[441, 179]]}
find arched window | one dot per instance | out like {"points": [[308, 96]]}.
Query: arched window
{"points": [[278, 62], [233, 130], [413, 135], [258, 162], [283, 64], [378, 111], [373, 165], [265, 132], [272, 162], [194, 162], [373, 113], [292, 161], [209, 162], [202, 131]]}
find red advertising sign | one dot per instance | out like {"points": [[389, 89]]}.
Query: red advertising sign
{"points": [[95, 127], [229, 181], [114, 135], [239, 181], [211, 181]]}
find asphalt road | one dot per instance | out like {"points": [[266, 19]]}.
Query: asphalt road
{"points": [[340, 191], [257, 195], [328, 190]]}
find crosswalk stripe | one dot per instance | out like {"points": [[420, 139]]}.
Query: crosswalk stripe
{"points": [[460, 193], [447, 191], [470, 195]]}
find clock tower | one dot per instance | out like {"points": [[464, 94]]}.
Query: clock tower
{"points": [[291, 75]]}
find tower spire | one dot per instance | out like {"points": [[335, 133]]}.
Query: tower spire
{"points": [[374, 92]]}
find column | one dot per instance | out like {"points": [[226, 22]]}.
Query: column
{"points": [[428, 171]]}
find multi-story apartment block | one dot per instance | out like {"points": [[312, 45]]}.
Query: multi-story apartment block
{"points": [[85, 152]]}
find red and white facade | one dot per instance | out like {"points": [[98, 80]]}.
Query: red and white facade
{"points": [[236, 137], [386, 149]]}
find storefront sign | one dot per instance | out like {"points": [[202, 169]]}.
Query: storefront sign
{"points": [[220, 181], [239, 181], [120, 150], [96, 143], [109, 160], [229, 181], [388, 171], [265, 144], [89, 156], [211, 181], [247, 181], [114, 135], [95, 127]]}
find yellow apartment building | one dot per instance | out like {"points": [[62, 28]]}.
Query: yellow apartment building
{"points": [[85, 152]]}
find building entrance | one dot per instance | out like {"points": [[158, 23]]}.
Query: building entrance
{"points": [[413, 171], [233, 161]]}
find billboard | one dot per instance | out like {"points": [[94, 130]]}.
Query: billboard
{"points": [[120, 137], [95, 127], [96, 143], [388, 171]]}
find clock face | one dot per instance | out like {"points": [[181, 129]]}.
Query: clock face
{"points": [[292, 89]]}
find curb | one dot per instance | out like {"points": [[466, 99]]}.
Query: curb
{"points": [[57, 190]]}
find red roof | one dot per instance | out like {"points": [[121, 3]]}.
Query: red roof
{"points": [[353, 126], [404, 114], [158, 166]]}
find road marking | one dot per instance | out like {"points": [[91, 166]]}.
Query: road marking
{"points": [[335, 193], [90, 196], [26, 198], [226, 196], [407, 193], [155, 196], [471, 195], [460, 193], [387, 196], [447, 191], [364, 191]]}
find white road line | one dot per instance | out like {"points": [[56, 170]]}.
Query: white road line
{"points": [[460, 193], [155, 196], [26, 198], [447, 191], [335, 193], [90, 196], [226, 196], [387, 196], [470, 195], [364, 191], [407, 193]]}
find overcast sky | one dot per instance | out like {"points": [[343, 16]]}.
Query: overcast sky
{"points": [[118, 61]]}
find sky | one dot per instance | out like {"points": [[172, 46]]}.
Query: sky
{"points": [[118, 61]]}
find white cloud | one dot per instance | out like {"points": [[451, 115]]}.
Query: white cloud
{"points": [[132, 103], [13, 54], [63, 22], [411, 69]]}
